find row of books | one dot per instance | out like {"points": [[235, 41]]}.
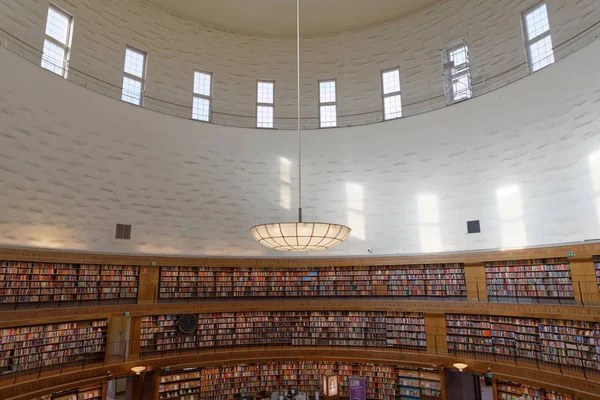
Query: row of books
{"points": [[336, 328], [416, 280], [507, 390], [27, 282], [382, 381], [87, 393], [550, 278], [30, 347], [567, 342]]}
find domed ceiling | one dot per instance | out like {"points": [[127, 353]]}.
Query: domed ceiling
{"points": [[278, 17]]}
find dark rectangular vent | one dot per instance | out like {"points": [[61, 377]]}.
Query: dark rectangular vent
{"points": [[473, 227], [123, 232]]}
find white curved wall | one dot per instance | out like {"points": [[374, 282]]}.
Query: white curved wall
{"points": [[524, 159], [176, 47]]}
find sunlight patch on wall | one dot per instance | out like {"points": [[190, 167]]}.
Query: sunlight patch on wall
{"points": [[285, 179], [429, 223], [510, 210], [355, 202], [594, 163]]}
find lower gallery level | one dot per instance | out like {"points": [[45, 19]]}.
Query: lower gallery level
{"points": [[526, 324]]}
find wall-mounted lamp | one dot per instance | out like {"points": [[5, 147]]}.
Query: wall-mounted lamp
{"points": [[460, 366], [138, 370]]}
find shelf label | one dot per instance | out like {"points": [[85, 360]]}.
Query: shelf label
{"points": [[153, 263], [571, 254]]}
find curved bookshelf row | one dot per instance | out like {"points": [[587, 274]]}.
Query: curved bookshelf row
{"points": [[411, 281], [560, 342], [160, 333], [25, 284], [43, 347], [382, 382]]}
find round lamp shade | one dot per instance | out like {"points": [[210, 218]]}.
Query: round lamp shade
{"points": [[460, 366], [300, 236]]}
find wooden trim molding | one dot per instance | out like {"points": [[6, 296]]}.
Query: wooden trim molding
{"points": [[25, 317], [580, 250]]}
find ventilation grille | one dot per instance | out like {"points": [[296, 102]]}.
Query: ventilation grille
{"points": [[473, 227], [123, 232]]}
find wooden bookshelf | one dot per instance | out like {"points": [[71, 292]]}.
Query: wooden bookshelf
{"points": [[573, 343], [35, 282], [299, 328], [418, 384], [529, 279], [597, 269], [411, 281], [86, 393], [223, 382], [51, 346], [507, 390], [568, 343]]}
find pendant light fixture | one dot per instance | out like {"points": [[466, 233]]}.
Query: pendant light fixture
{"points": [[299, 236]]}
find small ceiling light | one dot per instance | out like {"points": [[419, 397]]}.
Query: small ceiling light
{"points": [[138, 370], [299, 236], [460, 366]]}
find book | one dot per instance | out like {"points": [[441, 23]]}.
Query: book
{"points": [[420, 281]]}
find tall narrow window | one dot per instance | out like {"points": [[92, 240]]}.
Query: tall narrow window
{"points": [[201, 109], [457, 73], [57, 41], [134, 76], [327, 104], [537, 37], [392, 101], [264, 104]]}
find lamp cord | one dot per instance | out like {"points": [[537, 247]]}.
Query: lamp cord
{"points": [[299, 133]]}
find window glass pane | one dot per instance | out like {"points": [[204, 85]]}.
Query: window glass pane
{"points": [[57, 25], [541, 53], [202, 83], [265, 92], [392, 106], [328, 116], [391, 81], [327, 92], [53, 58], [458, 55], [132, 91], [134, 62], [536, 21], [460, 88], [264, 116], [201, 109]]}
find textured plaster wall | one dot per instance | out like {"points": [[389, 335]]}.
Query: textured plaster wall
{"points": [[524, 159]]}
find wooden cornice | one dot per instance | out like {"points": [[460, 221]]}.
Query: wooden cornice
{"points": [[28, 317], [580, 250]]}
